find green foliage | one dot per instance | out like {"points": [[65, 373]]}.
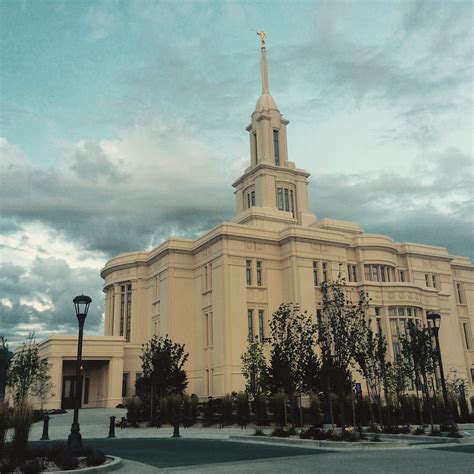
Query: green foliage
{"points": [[66, 461], [294, 367], [254, 369], [259, 432], [280, 433], [471, 399], [243, 409], [7, 465], [227, 409], [162, 365], [190, 409], [315, 413], [277, 407], [27, 371], [95, 458], [32, 466], [134, 408], [260, 408], [22, 420]]}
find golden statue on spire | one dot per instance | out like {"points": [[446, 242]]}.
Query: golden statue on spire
{"points": [[262, 35]]}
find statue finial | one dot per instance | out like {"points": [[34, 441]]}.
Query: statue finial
{"points": [[262, 35]]}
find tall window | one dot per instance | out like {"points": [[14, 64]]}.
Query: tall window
{"points": [[399, 316], [250, 325], [125, 384], [285, 200], [401, 276], [248, 272], [276, 147], [255, 146], [261, 324], [460, 293], [252, 198], [208, 330], [467, 334], [259, 273], [325, 268], [315, 273], [351, 271], [125, 311], [381, 273]]}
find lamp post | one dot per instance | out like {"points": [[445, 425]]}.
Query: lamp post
{"points": [[81, 305], [434, 321]]}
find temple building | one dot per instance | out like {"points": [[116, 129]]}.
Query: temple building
{"points": [[215, 292]]}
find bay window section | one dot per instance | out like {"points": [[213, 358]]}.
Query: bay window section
{"points": [[286, 200], [380, 273], [259, 273]]}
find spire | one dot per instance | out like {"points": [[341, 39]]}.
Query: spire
{"points": [[266, 101]]}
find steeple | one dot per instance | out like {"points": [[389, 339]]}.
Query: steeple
{"points": [[272, 192]]}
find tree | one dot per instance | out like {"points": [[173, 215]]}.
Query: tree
{"points": [[339, 328], [254, 369], [396, 381], [370, 355], [162, 366], [26, 370], [293, 366], [418, 351], [5, 357], [42, 387]]}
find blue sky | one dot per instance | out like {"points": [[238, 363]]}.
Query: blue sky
{"points": [[122, 122]]}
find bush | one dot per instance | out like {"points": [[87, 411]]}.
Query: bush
{"points": [[435, 432], [277, 406], [32, 466], [375, 438], [420, 430], [243, 409], [280, 433], [315, 413], [190, 409], [66, 461], [312, 433], [7, 465], [259, 432], [95, 458], [22, 419], [260, 408], [464, 409], [134, 408], [227, 409], [53, 451]]}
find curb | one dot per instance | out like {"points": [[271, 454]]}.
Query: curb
{"points": [[313, 444], [111, 466]]}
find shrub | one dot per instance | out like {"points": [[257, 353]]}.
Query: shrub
{"points": [[420, 430], [32, 466], [95, 458], [21, 421], [259, 432], [66, 460], [260, 408], [464, 409], [243, 409], [277, 406], [315, 413], [280, 433], [53, 451], [471, 399], [227, 408], [435, 432], [134, 408], [4, 424], [312, 433], [375, 438], [7, 465]]}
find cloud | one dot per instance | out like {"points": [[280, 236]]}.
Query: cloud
{"points": [[431, 203], [101, 20]]}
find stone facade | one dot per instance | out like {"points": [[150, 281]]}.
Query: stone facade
{"points": [[213, 292]]}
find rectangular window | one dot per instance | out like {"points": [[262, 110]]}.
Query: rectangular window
{"points": [[287, 200], [381, 273], [206, 330], [427, 280], [250, 324], [125, 311], [434, 281], [352, 273], [208, 388], [255, 146], [128, 328], [209, 276], [86, 390], [211, 329], [122, 309], [125, 385], [292, 203], [252, 198], [248, 272], [261, 322], [325, 271], [259, 273], [315, 273], [459, 293], [401, 276], [248, 200], [467, 335], [280, 198], [276, 147]]}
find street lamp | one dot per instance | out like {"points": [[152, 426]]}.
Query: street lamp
{"points": [[81, 305], [434, 321]]}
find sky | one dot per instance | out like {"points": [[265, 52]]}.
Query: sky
{"points": [[123, 123]]}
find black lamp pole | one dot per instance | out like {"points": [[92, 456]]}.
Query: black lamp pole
{"points": [[435, 319], [81, 304]]}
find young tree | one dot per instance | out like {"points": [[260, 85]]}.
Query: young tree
{"points": [[339, 329], [293, 364], [396, 381], [5, 357], [254, 369], [162, 366], [26, 369], [370, 355], [418, 351], [43, 387]]}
